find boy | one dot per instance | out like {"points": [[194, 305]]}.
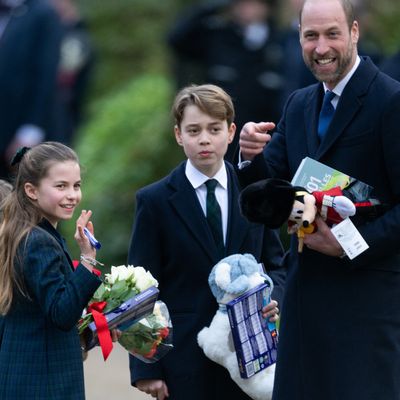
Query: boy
{"points": [[174, 240]]}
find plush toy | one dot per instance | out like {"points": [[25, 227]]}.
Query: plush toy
{"points": [[275, 201], [231, 277]]}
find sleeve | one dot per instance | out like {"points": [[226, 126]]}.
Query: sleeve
{"points": [[273, 257], [145, 249], [382, 234], [61, 295], [273, 161]]}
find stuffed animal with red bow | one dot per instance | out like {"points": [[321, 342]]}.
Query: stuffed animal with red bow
{"points": [[273, 201]]}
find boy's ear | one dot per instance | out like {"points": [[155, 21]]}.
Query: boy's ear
{"points": [[231, 130], [178, 135], [30, 191]]}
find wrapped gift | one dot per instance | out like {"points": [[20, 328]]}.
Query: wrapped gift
{"points": [[255, 338]]}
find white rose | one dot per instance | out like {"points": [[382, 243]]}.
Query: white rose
{"points": [[119, 273], [144, 279], [131, 273]]}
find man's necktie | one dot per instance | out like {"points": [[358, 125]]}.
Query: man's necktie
{"points": [[326, 114], [214, 216]]}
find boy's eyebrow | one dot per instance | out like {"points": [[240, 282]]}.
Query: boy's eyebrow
{"points": [[193, 124], [196, 124]]}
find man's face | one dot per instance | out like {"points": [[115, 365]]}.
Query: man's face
{"points": [[329, 46]]}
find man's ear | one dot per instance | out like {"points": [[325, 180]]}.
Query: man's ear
{"points": [[30, 191]]}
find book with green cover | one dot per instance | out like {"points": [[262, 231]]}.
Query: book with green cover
{"points": [[316, 176]]}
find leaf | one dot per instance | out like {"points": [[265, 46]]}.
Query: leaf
{"points": [[111, 304], [118, 289], [129, 294], [99, 293]]}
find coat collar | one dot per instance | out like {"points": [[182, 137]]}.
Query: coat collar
{"points": [[46, 225], [194, 219], [350, 102]]}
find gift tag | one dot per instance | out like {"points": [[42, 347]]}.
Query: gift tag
{"points": [[349, 238]]}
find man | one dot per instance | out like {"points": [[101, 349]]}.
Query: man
{"points": [[348, 347], [30, 38]]}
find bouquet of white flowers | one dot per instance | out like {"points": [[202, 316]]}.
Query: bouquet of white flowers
{"points": [[126, 295]]}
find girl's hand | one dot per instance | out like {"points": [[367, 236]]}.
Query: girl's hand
{"points": [[83, 242], [271, 311]]}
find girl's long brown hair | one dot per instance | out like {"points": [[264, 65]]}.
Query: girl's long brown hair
{"points": [[21, 214]]}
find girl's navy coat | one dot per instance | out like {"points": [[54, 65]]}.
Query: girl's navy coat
{"points": [[40, 354]]}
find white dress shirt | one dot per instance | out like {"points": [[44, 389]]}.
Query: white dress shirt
{"points": [[197, 179]]}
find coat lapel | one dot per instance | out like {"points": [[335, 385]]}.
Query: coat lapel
{"points": [[44, 224], [186, 204], [349, 104], [237, 225], [311, 120]]}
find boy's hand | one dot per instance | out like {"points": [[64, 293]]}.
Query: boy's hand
{"points": [[271, 311], [155, 387]]}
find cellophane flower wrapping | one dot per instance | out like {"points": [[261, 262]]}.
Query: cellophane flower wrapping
{"points": [[149, 339], [121, 284]]}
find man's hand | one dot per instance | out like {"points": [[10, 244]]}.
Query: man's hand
{"points": [[253, 138], [323, 240], [154, 387]]}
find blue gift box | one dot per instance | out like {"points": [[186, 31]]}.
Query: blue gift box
{"points": [[125, 315], [255, 339]]}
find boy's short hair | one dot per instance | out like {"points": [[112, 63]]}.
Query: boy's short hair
{"points": [[210, 99]]}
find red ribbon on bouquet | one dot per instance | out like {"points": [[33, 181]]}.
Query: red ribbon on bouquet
{"points": [[103, 332]]}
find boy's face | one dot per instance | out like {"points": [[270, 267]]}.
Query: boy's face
{"points": [[204, 139]]}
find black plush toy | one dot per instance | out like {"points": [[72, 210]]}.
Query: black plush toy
{"points": [[273, 202]]}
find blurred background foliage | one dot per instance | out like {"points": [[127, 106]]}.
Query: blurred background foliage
{"points": [[127, 139], [128, 144]]}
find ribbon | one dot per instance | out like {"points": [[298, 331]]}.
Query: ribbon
{"points": [[103, 332]]}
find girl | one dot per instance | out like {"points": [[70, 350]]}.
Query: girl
{"points": [[41, 297]]}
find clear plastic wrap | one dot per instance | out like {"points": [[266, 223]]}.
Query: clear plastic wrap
{"points": [[149, 339]]}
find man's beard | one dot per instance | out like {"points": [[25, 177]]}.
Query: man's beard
{"points": [[335, 76]]}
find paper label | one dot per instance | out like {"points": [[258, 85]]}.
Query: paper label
{"points": [[349, 238]]}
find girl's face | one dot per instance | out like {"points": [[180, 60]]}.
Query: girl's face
{"points": [[59, 192], [204, 139]]}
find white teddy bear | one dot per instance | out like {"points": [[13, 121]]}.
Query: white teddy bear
{"points": [[231, 277]]}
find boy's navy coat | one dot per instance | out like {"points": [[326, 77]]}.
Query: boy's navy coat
{"points": [[171, 238], [40, 354]]}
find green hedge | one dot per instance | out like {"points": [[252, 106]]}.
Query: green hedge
{"points": [[127, 144]]}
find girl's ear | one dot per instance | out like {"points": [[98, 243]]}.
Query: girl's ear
{"points": [[30, 191], [178, 135]]}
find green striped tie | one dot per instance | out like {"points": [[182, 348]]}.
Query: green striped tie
{"points": [[214, 216]]}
